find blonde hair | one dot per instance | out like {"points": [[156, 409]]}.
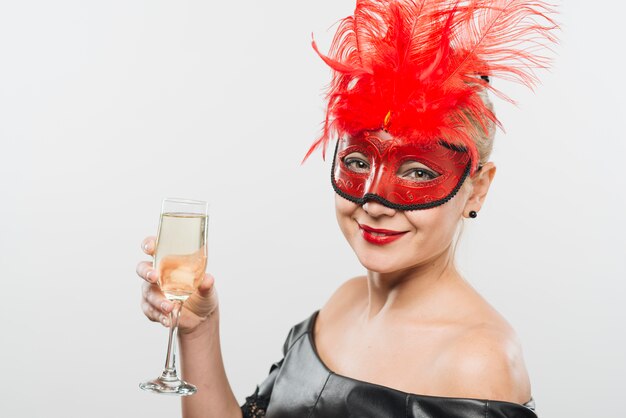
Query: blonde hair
{"points": [[484, 142]]}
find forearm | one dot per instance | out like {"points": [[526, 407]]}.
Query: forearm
{"points": [[202, 365]]}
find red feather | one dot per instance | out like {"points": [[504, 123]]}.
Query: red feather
{"points": [[413, 67]]}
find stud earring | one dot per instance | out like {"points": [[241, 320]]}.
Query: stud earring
{"points": [[473, 214]]}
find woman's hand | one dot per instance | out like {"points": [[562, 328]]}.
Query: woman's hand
{"points": [[157, 308]]}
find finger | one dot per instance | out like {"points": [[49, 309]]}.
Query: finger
{"points": [[145, 271], [155, 298], [150, 312], [154, 315], [148, 244]]}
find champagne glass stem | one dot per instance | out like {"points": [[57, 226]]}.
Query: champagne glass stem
{"points": [[169, 382], [170, 361]]}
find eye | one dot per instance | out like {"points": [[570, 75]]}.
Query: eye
{"points": [[420, 174], [356, 162], [417, 172]]}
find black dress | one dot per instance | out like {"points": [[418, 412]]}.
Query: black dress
{"points": [[301, 386]]}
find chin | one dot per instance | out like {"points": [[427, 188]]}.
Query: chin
{"points": [[379, 261], [385, 260]]}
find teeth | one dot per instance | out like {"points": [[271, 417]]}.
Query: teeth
{"points": [[378, 234]]}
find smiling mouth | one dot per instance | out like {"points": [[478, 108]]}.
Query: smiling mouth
{"points": [[379, 236], [379, 232]]}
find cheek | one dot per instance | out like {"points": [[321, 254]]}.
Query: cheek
{"points": [[445, 217], [344, 211], [436, 227]]}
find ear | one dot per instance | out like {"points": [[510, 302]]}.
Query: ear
{"points": [[481, 181]]}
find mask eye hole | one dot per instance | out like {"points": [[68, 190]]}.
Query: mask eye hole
{"points": [[417, 172], [356, 162]]}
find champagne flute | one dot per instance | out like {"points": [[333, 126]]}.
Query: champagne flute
{"points": [[180, 259]]}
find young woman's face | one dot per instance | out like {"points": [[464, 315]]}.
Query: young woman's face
{"points": [[387, 240]]}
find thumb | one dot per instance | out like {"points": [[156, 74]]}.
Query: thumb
{"points": [[206, 286]]}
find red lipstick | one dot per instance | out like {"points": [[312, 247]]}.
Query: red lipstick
{"points": [[380, 236]]}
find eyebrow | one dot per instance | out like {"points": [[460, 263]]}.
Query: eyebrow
{"points": [[453, 147]]}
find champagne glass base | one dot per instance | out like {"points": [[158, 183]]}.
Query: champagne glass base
{"points": [[169, 386]]}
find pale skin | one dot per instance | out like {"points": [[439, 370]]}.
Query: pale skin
{"points": [[413, 323]]}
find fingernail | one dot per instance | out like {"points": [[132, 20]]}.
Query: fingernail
{"points": [[165, 306], [150, 275], [165, 321], [147, 246]]}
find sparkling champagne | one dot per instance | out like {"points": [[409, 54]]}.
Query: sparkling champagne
{"points": [[181, 254], [180, 260]]}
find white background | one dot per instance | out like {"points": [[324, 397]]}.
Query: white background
{"points": [[107, 107]]}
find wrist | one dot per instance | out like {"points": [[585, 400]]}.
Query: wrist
{"points": [[209, 326]]}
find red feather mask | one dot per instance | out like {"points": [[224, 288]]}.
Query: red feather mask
{"points": [[415, 69]]}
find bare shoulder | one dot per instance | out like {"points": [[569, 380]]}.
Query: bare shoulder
{"points": [[485, 361], [350, 295]]}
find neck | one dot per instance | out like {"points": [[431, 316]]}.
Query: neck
{"points": [[413, 288]]}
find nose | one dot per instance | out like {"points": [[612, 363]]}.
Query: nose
{"points": [[375, 209], [378, 181]]}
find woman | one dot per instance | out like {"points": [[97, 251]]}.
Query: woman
{"points": [[411, 338]]}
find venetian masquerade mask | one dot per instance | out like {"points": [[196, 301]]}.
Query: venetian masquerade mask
{"points": [[417, 70], [400, 174]]}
